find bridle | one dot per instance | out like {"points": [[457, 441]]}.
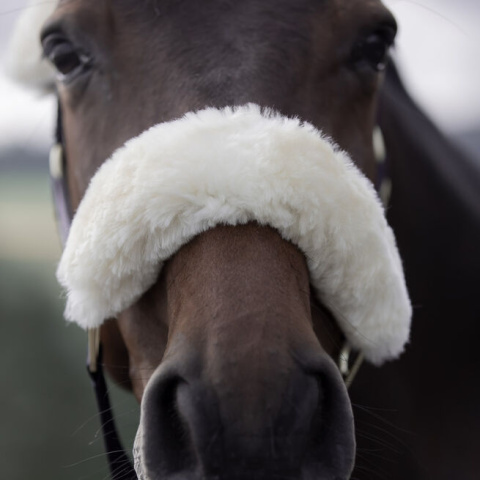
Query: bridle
{"points": [[119, 463]]}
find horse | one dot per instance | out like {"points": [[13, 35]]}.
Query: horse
{"points": [[229, 349]]}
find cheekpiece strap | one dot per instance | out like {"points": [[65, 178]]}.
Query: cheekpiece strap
{"points": [[383, 183], [119, 463], [59, 182]]}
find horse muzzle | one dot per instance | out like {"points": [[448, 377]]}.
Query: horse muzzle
{"points": [[300, 428]]}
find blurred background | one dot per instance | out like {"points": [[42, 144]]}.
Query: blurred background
{"points": [[48, 419]]}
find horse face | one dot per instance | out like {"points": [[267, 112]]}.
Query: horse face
{"points": [[230, 360]]}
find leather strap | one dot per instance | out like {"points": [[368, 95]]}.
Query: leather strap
{"points": [[120, 465]]}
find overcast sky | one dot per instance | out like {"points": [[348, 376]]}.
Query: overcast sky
{"points": [[438, 50]]}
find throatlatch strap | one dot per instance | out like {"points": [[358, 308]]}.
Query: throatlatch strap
{"points": [[121, 467]]}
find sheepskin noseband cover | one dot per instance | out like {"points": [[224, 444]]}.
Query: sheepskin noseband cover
{"points": [[230, 167]]}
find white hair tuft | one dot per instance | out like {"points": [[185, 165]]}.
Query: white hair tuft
{"points": [[24, 62]]}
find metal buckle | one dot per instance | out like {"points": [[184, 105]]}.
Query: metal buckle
{"points": [[56, 161], [380, 150], [349, 372]]}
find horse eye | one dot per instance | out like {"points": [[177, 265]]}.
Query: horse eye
{"points": [[372, 52], [68, 60]]}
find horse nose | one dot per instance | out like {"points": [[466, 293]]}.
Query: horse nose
{"points": [[301, 430]]}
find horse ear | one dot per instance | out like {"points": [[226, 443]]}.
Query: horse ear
{"points": [[25, 63]]}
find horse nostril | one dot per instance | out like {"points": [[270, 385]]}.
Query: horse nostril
{"points": [[301, 429], [331, 449], [167, 446]]}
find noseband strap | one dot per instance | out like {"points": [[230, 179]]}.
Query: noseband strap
{"points": [[119, 463]]}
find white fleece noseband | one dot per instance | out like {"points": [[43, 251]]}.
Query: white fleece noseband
{"points": [[213, 167]]}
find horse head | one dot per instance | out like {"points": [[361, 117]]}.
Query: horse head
{"points": [[227, 248]]}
